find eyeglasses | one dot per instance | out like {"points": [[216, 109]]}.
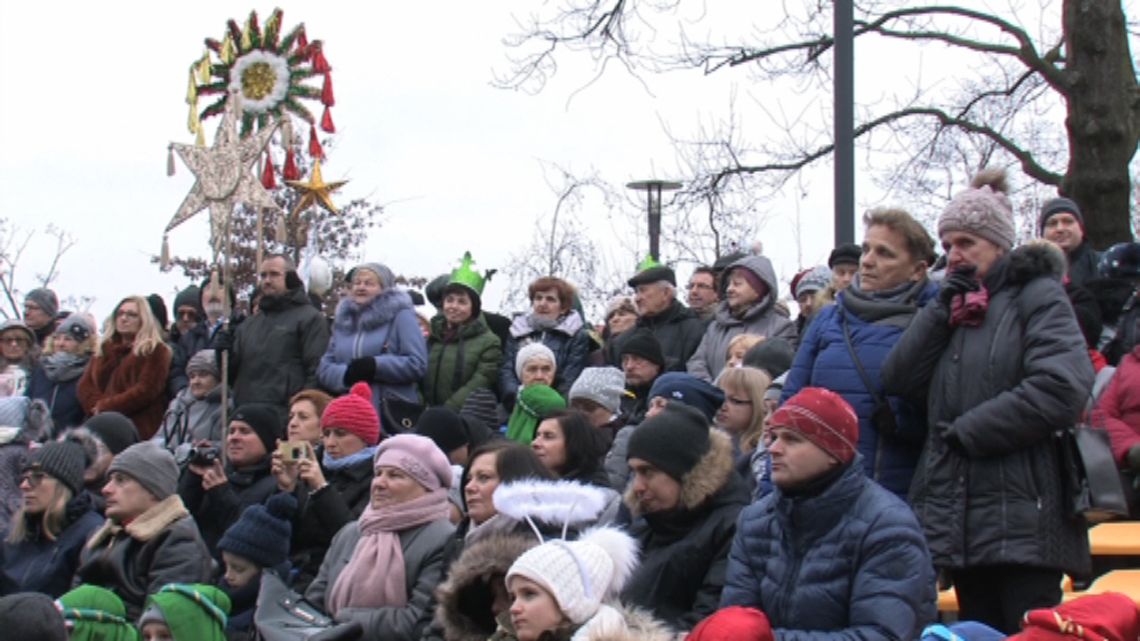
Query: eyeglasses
{"points": [[732, 400], [33, 479], [699, 286], [14, 340], [189, 314]]}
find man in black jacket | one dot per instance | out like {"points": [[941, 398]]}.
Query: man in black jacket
{"points": [[676, 327], [1062, 224], [276, 351]]}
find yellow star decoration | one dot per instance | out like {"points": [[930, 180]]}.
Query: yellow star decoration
{"points": [[224, 175], [314, 192]]}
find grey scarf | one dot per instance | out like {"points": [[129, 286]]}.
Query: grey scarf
{"points": [[62, 367]]}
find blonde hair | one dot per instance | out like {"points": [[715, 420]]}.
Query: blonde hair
{"points": [[752, 383], [744, 341], [149, 336], [52, 519]]}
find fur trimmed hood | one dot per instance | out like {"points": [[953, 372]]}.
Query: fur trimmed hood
{"points": [[707, 477], [351, 317], [464, 610], [569, 324], [1035, 259], [147, 525]]}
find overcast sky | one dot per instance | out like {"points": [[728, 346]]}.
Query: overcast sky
{"points": [[93, 93]]}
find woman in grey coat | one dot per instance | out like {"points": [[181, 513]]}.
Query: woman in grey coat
{"points": [[382, 568], [749, 307], [1002, 365]]}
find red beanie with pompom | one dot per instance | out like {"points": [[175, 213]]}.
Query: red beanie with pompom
{"points": [[354, 413]]}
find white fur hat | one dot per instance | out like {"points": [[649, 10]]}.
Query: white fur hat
{"points": [[529, 351], [581, 574]]}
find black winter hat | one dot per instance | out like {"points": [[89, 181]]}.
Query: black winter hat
{"points": [[158, 307], [434, 290], [1058, 206], [64, 461], [673, 441], [773, 355], [641, 342], [189, 297], [1122, 260], [31, 616], [115, 430], [444, 427], [845, 254], [265, 421], [263, 532], [653, 275]]}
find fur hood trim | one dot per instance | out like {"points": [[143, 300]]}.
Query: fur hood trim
{"points": [[469, 576], [707, 477], [351, 317], [1035, 259], [147, 525], [568, 324], [629, 624]]}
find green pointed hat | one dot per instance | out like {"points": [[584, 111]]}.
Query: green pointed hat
{"points": [[468, 277], [192, 611], [652, 271]]}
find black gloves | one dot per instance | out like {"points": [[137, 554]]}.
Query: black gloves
{"points": [[1133, 458], [957, 282], [360, 369], [950, 436]]}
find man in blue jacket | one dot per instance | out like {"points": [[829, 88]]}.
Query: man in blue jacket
{"points": [[829, 554]]}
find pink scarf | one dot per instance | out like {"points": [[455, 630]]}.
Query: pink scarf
{"points": [[969, 310], [375, 575]]}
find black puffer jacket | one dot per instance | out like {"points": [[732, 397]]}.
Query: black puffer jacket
{"points": [[277, 350], [684, 551], [678, 329], [322, 514], [1005, 387]]}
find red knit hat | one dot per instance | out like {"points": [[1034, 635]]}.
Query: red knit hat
{"points": [[822, 417], [354, 413], [734, 623]]}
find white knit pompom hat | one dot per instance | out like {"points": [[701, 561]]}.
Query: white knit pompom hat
{"points": [[580, 574]]}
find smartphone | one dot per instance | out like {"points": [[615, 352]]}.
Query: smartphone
{"points": [[293, 451]]}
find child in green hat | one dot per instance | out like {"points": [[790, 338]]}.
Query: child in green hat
{"points": [[92, 613], [185, 612]]}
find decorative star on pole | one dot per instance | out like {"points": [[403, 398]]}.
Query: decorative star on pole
{"points": [[224, 174], [316, 191]]}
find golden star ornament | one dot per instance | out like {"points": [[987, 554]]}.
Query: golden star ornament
{"points": [[314, 192]]}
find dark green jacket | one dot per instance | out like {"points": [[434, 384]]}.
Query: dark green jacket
{"points": [[461, 364]]}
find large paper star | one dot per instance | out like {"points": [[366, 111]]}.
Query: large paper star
{"points": [[316, 191], [224, 175]]}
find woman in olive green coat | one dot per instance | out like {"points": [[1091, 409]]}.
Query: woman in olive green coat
{"points": [[463, 353]]}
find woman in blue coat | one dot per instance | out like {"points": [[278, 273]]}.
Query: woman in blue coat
{"points": [[55, 378], [41, 552], [376, 338], [867, 319]]}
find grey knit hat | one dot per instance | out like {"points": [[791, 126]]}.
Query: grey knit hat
{"points": [[983, 210], [387, 278], [77, 326], [64, 460], [151, 465], [602, 385], [205, 362], [46, 299], [1056, 206], [529, 351]]}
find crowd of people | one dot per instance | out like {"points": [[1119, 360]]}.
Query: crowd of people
{"points": [[700, 464]]}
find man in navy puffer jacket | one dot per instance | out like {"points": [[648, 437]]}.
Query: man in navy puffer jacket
{"points": [[829, 554]]}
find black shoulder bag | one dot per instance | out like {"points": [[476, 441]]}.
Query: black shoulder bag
{"points": [[882, 416]]}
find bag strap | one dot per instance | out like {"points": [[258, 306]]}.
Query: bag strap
{"points": [[878, 398]]}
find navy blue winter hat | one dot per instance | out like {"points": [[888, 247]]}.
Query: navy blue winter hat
{"points": [[690, 390], [263, 532], [1122, 260]]}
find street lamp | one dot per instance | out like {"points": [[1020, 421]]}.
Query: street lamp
{"points": [[653, 189]]}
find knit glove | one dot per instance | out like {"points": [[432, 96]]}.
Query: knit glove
{"points": [[360, 369], [958, 282], [949, 435], [1133, 458]]}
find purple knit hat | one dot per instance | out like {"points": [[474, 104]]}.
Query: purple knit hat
{"points": [[983, 210], [419, 457]]}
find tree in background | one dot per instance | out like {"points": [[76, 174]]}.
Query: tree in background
{"points": [[14, 242], [1009, 85]]}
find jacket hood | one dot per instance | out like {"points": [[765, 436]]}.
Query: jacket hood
{"points": [[568, 324], [708, 476], [464, 609], [380, 311], [1035, 259], [294, 297], [762, 268]]}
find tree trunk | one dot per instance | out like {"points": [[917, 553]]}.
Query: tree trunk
{"points": [[1103, 120]]}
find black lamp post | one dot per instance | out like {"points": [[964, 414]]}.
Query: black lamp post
{"points": [[653, 189]]}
